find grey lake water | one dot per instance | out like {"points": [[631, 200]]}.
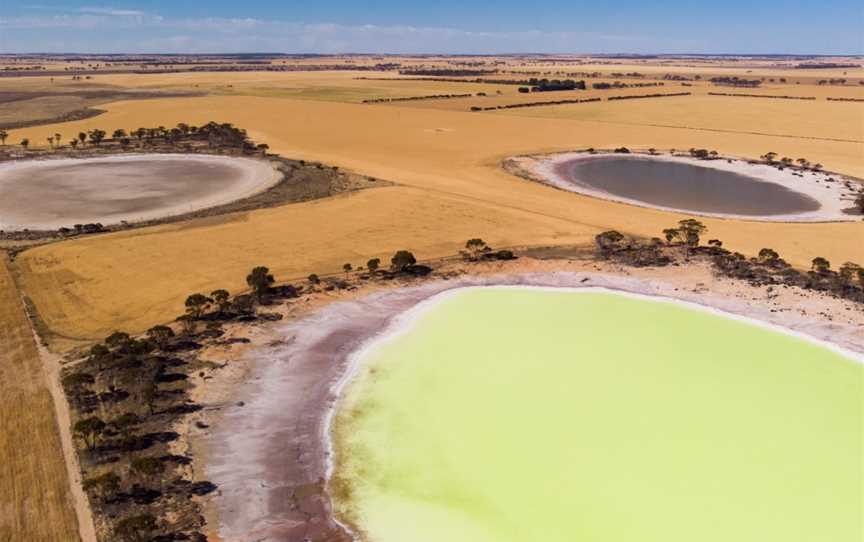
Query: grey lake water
{"points": [[685, 186]]}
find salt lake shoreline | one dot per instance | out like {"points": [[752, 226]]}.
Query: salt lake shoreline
{"points": [[831, 197], [290, 378]]}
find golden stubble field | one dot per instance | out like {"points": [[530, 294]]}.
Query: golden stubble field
{"points": [[35, 501], [450, 188]]}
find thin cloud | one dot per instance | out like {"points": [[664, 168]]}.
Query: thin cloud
{"points": [[106, 29], [111, 12]]}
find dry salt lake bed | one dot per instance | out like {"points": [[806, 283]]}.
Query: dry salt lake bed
{"points": [[54, 193]]}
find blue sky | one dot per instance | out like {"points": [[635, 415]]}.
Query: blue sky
{"points": [[447, 26]]}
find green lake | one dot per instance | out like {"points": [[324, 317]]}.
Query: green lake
{"points": [[525, 415]]}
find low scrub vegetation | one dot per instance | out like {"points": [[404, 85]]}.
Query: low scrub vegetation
{"points": [[683, 242]]}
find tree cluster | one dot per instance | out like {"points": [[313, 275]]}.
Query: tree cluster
{"points": [[735, 81], [546, 85], [765, 269]]}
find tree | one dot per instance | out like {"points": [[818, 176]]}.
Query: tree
{"points": [[373, 265], [769, 157], [125, 425], [816, 167], [119, 133], [821, 265], [768, 256], [402, 260], [672, 235], [25, 143], [73, 143], [89, 430], [196, 304], [59, 139], [608, 242], [146, 467], [98, 351], [77, 382], [690, 230], [314, 279], [117, 340], [188, 323], [222, 299], [475, 249], [859, 202], [242, 304], [82, 137], [96, 136], [850, 272], [803, 162], [104, 486], [160, 335], [51, 141], [3, 135], [347, 268], [149, 393], [135, 528], [260, 281]]}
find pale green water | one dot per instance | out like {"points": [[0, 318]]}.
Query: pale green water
{"points": [[516, 415]]}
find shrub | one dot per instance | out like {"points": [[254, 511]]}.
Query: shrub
{"points": [[402, 260]]}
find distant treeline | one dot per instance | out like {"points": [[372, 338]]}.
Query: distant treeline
{"points": [[582, 101], [448, 72], [536, 104], [824, 65], [736, 82], [838, 81], [22, 68], [447, 80], [845, 99], [414, 98], [779, 97], [619, 84], [636, 97], [546, 85]]}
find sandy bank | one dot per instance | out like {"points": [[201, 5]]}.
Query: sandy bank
{"points": [[270, 456], [49, 194], [833, 197]]}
